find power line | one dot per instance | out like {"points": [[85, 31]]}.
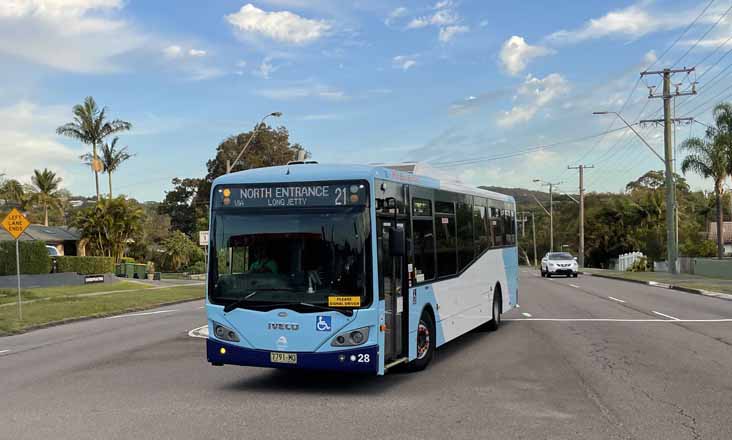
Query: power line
{"points": [[682, 34], [702, 37], [527, 150]]}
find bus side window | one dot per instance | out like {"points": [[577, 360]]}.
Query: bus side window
{"points": [[445, 238], [479, 226], [424, 250]]}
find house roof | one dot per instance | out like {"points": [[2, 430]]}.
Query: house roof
{"points": [[48, 234]]}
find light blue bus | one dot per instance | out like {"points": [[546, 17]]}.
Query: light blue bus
{"points": [[353, 268]]}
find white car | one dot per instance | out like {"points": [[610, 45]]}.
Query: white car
{"points": [[559, 263]]}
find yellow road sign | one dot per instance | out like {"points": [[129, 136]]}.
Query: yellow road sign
{"points": [[15, 223]]}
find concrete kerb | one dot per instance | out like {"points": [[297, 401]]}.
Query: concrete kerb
{"points": [[719, 295]]}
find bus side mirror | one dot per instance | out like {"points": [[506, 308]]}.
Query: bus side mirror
{"points": [[397, 242]]}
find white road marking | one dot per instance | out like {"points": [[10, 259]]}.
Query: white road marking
{"points": [[665, 315], [528, 315], [142, 314], [615, 320], [199, 332], [574, 285], [202, 307], [4, 351], [616, 299]]}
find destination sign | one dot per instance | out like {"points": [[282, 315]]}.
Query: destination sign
{"points": [[292, 195]]}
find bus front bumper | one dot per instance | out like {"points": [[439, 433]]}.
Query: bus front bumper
{"points": [[360, 360]]}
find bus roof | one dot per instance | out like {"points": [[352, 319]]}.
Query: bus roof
{"points": [[312, 172]]}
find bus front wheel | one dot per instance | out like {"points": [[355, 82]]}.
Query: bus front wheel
{"points": [[426, 342]]}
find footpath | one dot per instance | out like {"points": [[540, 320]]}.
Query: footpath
{"points": [[715, 287]]}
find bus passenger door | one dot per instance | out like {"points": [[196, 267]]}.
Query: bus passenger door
{"points": [[392, 273]]}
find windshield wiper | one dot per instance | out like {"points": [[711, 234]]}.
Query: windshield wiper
{"points": [[240, 302]]}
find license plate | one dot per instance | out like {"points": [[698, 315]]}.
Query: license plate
{"points": [[283, 358]]}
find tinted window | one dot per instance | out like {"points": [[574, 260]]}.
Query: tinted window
{"points": [[446, 247], [424, 250], [421, 207], [498, 226], [480, 235], [465, 234]]}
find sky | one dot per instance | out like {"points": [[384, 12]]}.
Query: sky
{"points": [[492, 93]]}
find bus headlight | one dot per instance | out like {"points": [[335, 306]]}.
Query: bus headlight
{"points": [[351, 338], [224, 333]]}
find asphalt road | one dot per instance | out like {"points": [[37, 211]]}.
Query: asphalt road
{"points": [[570, 363]]}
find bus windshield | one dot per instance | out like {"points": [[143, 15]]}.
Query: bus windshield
{"points": [[265, 259]]}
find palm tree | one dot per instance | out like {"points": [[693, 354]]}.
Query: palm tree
{"points": [[13, 190], [723, 120], [45, 191], [708, 158], [111, 159], [91, 127]]}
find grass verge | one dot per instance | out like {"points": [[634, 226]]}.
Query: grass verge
{"points": [[681, 280], [63, 309], [11, 295]]}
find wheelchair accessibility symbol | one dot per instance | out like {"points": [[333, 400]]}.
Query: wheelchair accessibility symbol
{"points": [[323, 323]]}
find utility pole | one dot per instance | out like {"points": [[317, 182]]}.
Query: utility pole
{"points": [[551, 186], [672, 245], [524, 219], [581, 169], [533, 233]]}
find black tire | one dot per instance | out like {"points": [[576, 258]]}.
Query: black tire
{"points": [[424, 357], [495, 323]]}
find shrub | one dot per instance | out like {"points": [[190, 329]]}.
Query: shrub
{"points": [[640, 265], [86, 265], [34, 258], [127, 260], [197, 267]]}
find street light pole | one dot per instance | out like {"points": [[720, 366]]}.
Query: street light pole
{"points": [[230, 165]]}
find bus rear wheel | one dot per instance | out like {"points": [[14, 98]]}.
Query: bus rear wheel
{"points": [[426, 343]]}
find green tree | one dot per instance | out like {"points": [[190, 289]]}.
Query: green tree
{"points": [[183, 206], [45, 192], [180, 251], [111, 159], [90, 126], [12, 190], [110, 226], [709, 158], [723, 120]]}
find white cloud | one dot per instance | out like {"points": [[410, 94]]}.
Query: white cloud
{"points": [[74, 35], [173, 51], [404, 62], [395, 15], [445, 18], [516, 53], [303, 91], [282, 26], [447, 33], [28, 140], [196, 52], [265, 68], [531, 96], [631, 22]]}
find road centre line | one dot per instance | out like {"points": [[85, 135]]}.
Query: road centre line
{"points": [[675, 320], [574, 285], [4, 351], [616, 299], [142, 314], [528, 315], [665, 315]]}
